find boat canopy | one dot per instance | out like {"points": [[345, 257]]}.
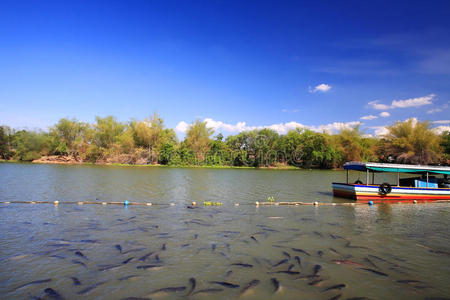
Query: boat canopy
{"points": [[397, 168]]}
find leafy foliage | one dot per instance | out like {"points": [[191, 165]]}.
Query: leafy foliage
{"points": [[148, 142]]}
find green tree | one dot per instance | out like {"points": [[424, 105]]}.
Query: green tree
{"points": [[5, 142], [31, 145], [70, 136], [198, 138], [413, 141]]}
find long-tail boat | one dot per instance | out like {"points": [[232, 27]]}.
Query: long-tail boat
{"points": [[430, 183]]}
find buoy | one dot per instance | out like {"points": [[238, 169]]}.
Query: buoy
{"points": [[172, 204], [7, 202], [126, 202], [80, 202], [316, 203], [32, 202], [149, 204], [104, 203], [56, 202], [236, 204], [415, 201], [371, 202], [257, 203], [194, 203], [334, 204]]}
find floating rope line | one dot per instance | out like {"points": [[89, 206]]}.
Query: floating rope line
{"points": [[207, 203]]}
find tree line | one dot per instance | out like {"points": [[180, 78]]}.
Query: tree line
{"points": [[149, 142]]}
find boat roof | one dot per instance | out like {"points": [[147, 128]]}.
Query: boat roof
{"points": [[382, 167]]}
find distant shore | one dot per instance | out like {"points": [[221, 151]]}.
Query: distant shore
{"points": [[65, 160]]}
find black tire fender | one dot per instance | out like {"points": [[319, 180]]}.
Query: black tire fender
{"points": [[385, 188]]}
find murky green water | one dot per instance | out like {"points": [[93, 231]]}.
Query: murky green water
{"points": [[379, 252]]}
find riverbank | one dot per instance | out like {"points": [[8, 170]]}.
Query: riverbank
{"points": [[70, 160]]}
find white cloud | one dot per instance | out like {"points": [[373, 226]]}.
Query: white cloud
{"points": [[385, 114], [434, 110], [442, 122], [441, 129], [438, 109], [320, 88], [411, 102], [377, 105], [281, 128], [369, 117], [285, 110], [182, 127], [380, 130]]}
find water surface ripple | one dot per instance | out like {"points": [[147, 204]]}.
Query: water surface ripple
{"points": [[247, 252]]}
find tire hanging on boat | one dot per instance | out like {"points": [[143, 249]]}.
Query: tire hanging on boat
{"points": [[385, 188]]}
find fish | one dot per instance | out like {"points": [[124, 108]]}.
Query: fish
{"points": [[287, 254], [118, 247], [128, 277], [335, 287], [135, 298], [320, 253], [253, 238], [228, 274], [375, 272], [172, 289], [249, 286], [315, 282], [90, 288], [226, 284], [284, 272], [185, 245], [143, 258], [33, 282], [195, 236], [298, 260], [157, 258], [276, 284], [77, 262], [145, 267], [163, 248], [213, 247], [290, 267], [127, 260], [408, 281], [53, 294], [242, 265], [308, 277], [108, 267], [90, 241], [193, 283], [133, 250], [370, 262], [301, 251], [211, 290], [75, 281], [348, 245], [317, 268], [318, 234], [346, 262], [283, 261], [57, 256], [335, 251], [80, 254], [336, 297]]}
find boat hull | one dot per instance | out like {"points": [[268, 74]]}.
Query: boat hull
{"points": [[362, 192]]}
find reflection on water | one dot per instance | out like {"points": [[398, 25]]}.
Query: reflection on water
{"points": [[113, 252]]}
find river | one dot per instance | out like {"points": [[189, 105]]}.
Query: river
{"points": [[71, 251]]}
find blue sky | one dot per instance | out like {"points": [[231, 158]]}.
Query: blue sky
{"points": [[238, 64]]}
